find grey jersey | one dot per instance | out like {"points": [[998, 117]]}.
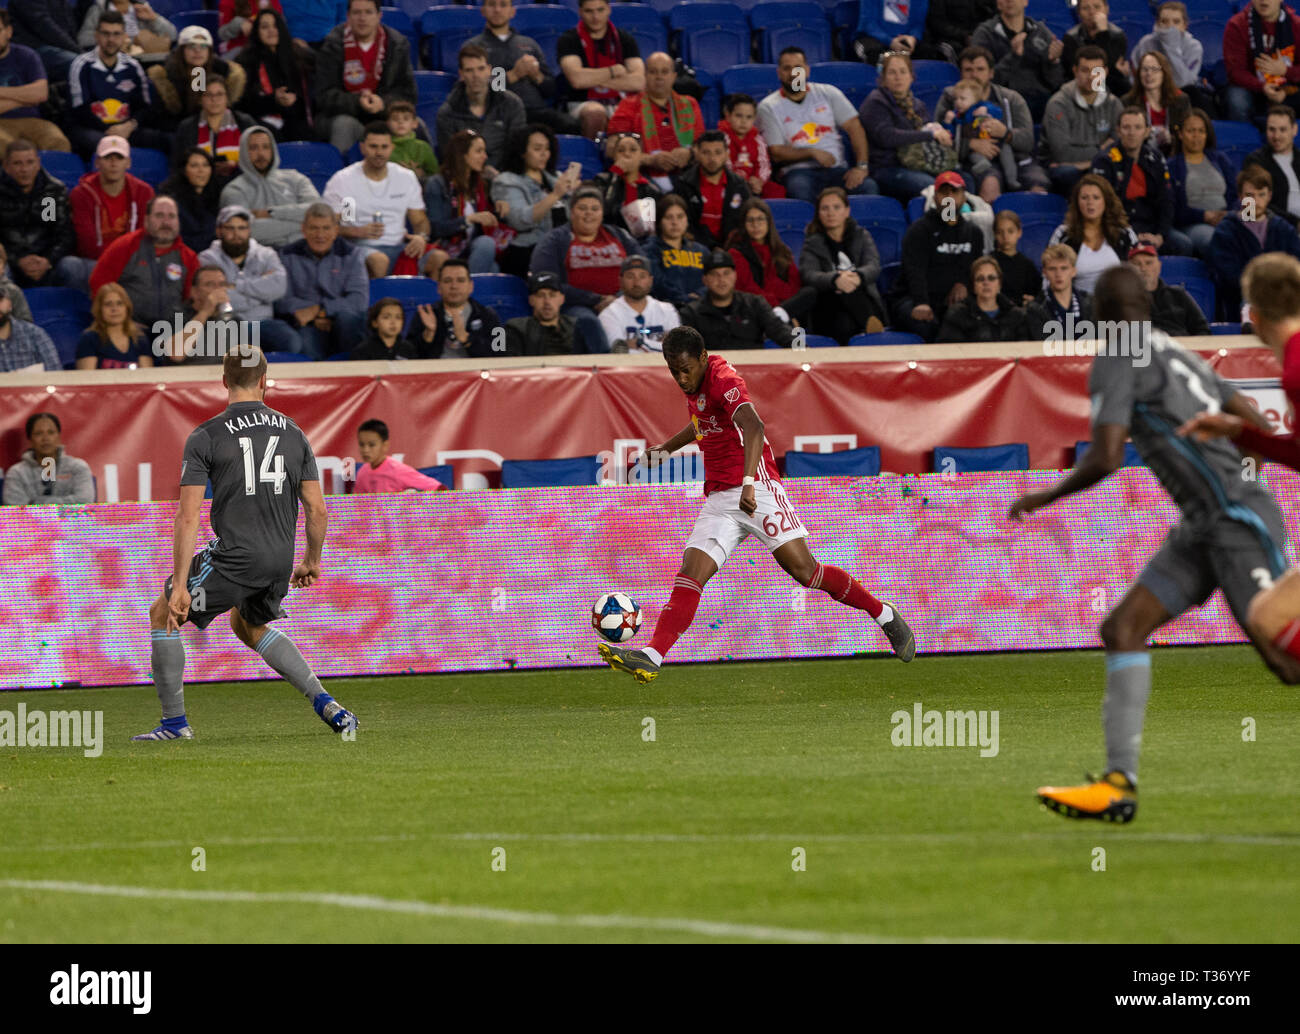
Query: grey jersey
{"points": [[1207, 480], [256, 459]]}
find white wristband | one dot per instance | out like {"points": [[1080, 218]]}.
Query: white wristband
{"points": [[747, 482]]}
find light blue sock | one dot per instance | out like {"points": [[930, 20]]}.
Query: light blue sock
{"points": [[1123, 709], [168, 659]]}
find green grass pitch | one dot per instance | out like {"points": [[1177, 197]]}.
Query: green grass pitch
{"points": [[689, 837]]}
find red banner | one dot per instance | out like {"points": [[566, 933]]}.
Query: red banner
{"points": [[131, 427]]}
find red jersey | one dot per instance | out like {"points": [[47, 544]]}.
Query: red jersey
{"points": [[712, 410], [1280, 448]]}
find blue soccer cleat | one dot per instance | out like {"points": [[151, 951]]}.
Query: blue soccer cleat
{"points": [[334, 714], [185, 732]]}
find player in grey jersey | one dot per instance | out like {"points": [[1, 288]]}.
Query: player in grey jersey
{"points": [[1231, 535], [260, 465]]}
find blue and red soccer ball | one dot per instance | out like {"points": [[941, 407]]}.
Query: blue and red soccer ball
{"points": [[616, 617]]}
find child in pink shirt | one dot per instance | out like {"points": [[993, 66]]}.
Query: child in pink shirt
{"points": [[379, 472]]}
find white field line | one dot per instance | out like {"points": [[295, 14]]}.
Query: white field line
{"points": [[367, 902], [1248, 839]]}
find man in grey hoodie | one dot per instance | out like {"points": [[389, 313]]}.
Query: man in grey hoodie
{"points": [[1081, 119], [46, 474], [278, 198], [255, 276]]}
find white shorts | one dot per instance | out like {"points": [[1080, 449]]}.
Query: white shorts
{"points": [[722, 525]]}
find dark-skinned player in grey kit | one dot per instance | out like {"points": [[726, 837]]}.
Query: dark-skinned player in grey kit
{"points": [[260, 465]]}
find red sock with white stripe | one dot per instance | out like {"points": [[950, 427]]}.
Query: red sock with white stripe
{"points": [[843, 588], [675, 618], [1288, 640]]}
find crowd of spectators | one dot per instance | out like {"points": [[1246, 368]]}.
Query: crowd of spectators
{"points": [[677, 228]]}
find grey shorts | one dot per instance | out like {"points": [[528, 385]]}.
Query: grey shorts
{"points": [[1240, 556], [212, 594]]}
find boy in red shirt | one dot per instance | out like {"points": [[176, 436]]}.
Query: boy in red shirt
{"points": [[748, 150]]}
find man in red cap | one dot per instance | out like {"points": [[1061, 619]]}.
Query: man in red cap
{"points": [[1173, 310], [106, 204], [937, 252]]}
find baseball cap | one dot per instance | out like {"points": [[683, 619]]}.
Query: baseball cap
{"points": [[949, 179], [194, 34], [543, 282], [232, 212], [113, 145], [1144, 249], [718, 259], [634, 262]]}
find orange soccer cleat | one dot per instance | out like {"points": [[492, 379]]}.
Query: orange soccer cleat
{"points": [[1112, 798]]}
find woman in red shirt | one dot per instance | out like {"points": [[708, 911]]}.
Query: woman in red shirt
{"points": [[765, 266]]}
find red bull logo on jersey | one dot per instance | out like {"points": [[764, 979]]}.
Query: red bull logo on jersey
{"points": [[810, 133]]}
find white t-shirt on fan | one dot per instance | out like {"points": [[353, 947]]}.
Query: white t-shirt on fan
{"points": [[357, 199]]}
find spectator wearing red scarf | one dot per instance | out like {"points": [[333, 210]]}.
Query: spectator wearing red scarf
{"points": [[461, 217], [235, 23], [361, 67], [667, 122], [602, 65]]}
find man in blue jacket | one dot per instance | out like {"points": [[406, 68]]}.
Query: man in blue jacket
{"points": [[328, 289]]}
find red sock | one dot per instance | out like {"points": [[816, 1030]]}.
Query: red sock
{"points": [[842, 588], [677, 615], [1288, 640]]}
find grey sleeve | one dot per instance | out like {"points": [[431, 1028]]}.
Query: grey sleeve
{"points": [[14, 485], [309, 471], [1111, 387], [197, 464]]}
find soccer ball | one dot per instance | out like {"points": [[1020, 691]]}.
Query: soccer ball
{"points": [[616, 616]]}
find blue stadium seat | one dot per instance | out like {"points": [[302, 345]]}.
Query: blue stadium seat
{"points": [[1135, 9], [1225, 328], [854, 80], [863, 462], [1061, 19], [443, 472], [819, 341], [1131, 457], [579, 470], [790, 213], [63, 313], [149, 165], [706, 12], [543, 22], [793, 240], [434, 87], [814, 38], [1208, 30], [883, 218], [579, 149], [64, 166], [1013, 456], [715, 48], [756, 80], [206, 19], [399, 21], [507, 294], [844, 24], [888, 274], [711, 106], [1201, 288], [1174, 267], [411, 291], [886, 337], [915, 209], [1236, 140], [444, 30], [643, 23], [1134, 28], [414, 8], [940, 72], [1036, 206], [287, 357], [317, 161], [929, 94]]}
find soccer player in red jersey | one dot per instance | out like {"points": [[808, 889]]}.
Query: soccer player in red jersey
{"points": [[743, 496], [1271, 287]]}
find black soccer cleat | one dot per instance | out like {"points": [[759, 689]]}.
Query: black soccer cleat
{"points": [[900, 636]]}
